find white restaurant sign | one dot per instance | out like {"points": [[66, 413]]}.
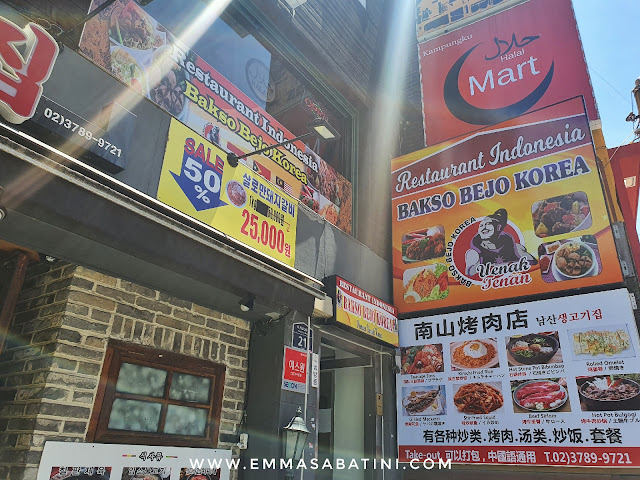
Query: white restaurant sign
{"points": [[552, 382], [95, 461]]}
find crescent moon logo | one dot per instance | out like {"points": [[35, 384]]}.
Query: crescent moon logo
{"points": [[468, 113]]}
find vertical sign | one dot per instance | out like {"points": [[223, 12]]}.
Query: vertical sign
{"points": [[294, 372]]}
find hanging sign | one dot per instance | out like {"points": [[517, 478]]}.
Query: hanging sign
{"points": [[197, 180], [294, 372]]}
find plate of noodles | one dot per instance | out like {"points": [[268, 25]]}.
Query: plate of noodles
{"points": [[478, 398]]}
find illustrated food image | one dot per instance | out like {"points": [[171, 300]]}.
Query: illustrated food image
{"points": [[330, 213], [533, 349], [427, 284], [167, 93], [601, 342], [478, 398], [427, 359], [558, 215], [418, 402], [540, 395], [423, 245], [473, 354]]}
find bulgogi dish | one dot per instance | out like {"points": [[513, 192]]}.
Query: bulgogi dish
{"points": [[420, 246]]}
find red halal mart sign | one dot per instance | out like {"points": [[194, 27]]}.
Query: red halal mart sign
{"points": [[27, 56], [499, 68]]}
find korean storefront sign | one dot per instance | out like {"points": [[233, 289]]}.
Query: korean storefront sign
{"points": [[135, 48], [27, 56], [294, 371], [523, 58], [512, 210], [363, 313], [197, 180], [84, 461], [552, 382]]}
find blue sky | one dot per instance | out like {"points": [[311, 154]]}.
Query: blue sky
{"points": [[608, 29]]}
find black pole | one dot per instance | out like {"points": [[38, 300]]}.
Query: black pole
{"points": [[232, 158]]}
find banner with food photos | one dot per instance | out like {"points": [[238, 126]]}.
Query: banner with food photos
{"points": [[131, 45], [197, 180], [552, 382], [512, 210]]}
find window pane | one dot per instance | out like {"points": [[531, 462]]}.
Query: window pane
{"points": [[134, 415], [139, 380], [190, 388], [186, 421]]}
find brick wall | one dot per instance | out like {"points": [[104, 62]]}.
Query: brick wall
{"points": [[52, 361]]}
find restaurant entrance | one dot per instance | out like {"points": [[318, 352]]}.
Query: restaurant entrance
{"points": [[347, 415]]}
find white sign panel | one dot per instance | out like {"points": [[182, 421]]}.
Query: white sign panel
{"points": [[553, 382], [95, 461]]}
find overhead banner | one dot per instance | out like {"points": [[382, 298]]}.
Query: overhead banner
{"points": [[512, 210], [363, 313], [135, 48], [197, 180], [503, 66], [554, 382], [96, 461]]}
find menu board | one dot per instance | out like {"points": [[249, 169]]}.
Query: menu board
{"points": [[131, 45], [553, 382], [95, 461], [197, 180], [515, 209]]}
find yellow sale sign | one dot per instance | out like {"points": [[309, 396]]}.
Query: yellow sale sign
{"points": [[197, 180], [512, 210]]}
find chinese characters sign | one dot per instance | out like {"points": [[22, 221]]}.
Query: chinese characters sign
{"points": [[83, 461], [294, 373], [197, 180], [523, 58], [512, 210], [27, 57], [553, 382], [365, 314]]}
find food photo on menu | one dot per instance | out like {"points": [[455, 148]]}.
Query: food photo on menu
{"points": [[424, 400], [569, 259], [478, 398], [424, 244], [561, 214], [474, 354], [199, 474], [80, 473], [422, 359], [612, 341], [609, 392], [146, 473], [426, 284], [533, 349], [540, 395]]}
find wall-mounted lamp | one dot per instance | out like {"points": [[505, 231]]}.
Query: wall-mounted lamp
{"points": [[319, 127], [246, 303], [294, 438]]}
